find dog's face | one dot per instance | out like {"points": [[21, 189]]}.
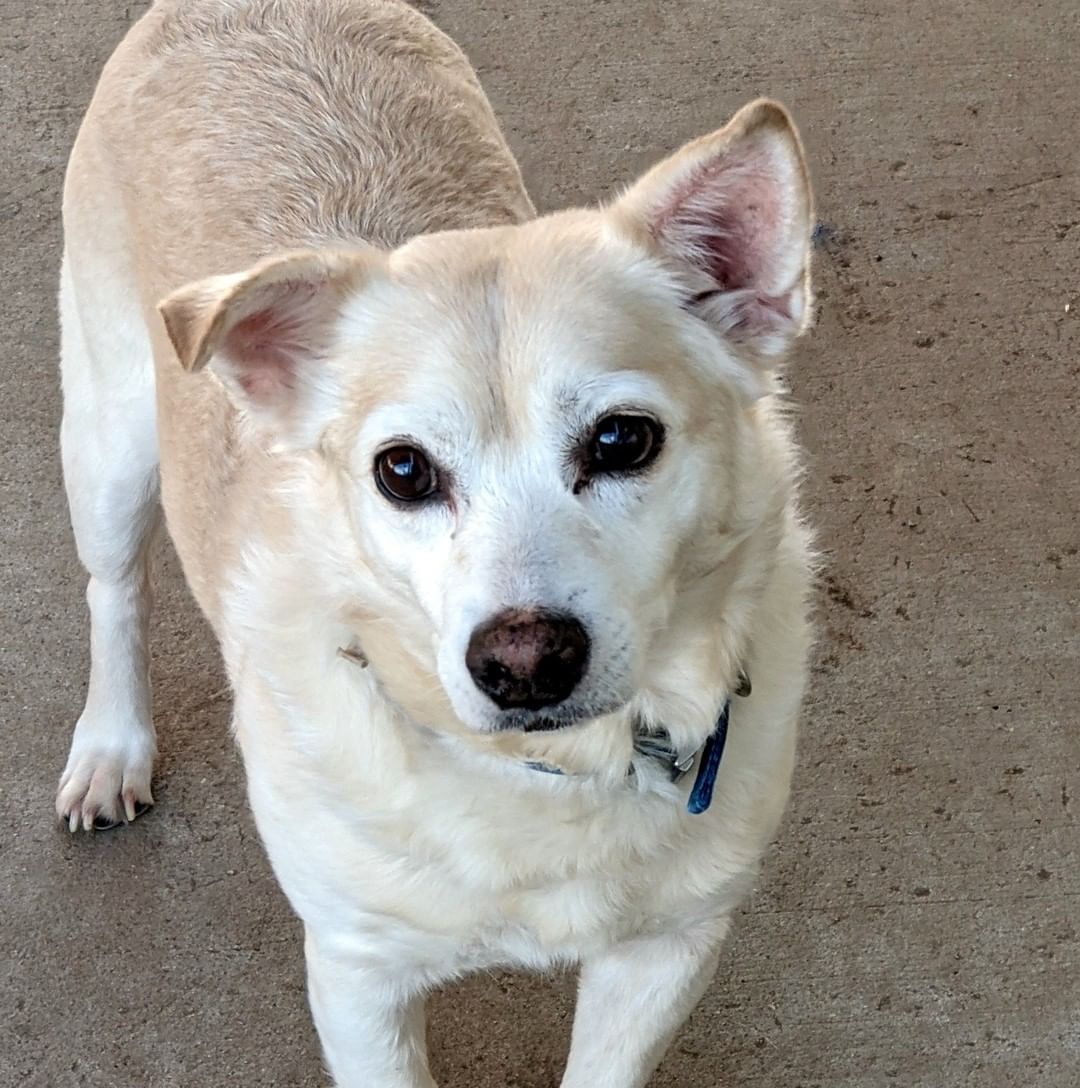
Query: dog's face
{"points": [[537, 428], [545, 436]]}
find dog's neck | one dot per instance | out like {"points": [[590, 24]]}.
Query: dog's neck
{"points": [[650, 747]]}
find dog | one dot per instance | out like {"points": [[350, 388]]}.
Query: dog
{"points": [[494, 516]]}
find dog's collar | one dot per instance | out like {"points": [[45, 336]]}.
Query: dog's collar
{"points": [[657, 745]]}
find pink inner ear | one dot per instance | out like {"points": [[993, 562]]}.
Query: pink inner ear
{"points": [[266, 347], [728, 219]]}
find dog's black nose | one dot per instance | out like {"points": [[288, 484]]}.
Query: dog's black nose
{"points": [[527, 659]]}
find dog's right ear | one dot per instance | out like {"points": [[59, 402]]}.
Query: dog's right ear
{"points": [[267, 334]]}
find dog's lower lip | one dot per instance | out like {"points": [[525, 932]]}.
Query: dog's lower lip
{"points": [[545, 725], [537, 723], [561, 718]]}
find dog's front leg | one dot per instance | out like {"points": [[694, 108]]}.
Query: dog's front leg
{"points": [[370, 1022], [631, 1001]]}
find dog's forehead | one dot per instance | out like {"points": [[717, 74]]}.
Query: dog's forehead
{"points": [[490, 324], [573, 269]]}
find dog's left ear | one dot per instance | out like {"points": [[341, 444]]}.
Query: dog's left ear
{"points": [[731, 214]]}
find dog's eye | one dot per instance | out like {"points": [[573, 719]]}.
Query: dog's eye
{"points": [[405, 474], [623, 444]]}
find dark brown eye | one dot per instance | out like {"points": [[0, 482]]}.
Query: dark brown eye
{"points": [[404, 474], [623, 444]]}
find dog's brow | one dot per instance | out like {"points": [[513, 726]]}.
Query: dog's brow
{"points": [[568, 401], [620, 390]]}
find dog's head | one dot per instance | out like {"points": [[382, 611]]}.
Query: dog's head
{"points": [[541, 430]]}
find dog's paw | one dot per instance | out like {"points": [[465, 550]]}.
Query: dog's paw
{"points": [[107, 778]]}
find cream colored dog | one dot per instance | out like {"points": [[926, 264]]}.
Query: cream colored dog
{"points": [[492, 515]]}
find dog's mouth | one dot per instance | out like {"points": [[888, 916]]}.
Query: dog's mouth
{"points": [[545, 725], [551, 719]]}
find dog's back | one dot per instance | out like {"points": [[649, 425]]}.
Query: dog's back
{"points": [[285, 122]]}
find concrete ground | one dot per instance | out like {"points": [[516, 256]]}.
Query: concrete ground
{"points": [[917, 923]]}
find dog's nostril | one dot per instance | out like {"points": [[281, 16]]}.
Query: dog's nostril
{"points": [[528, 658]]}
